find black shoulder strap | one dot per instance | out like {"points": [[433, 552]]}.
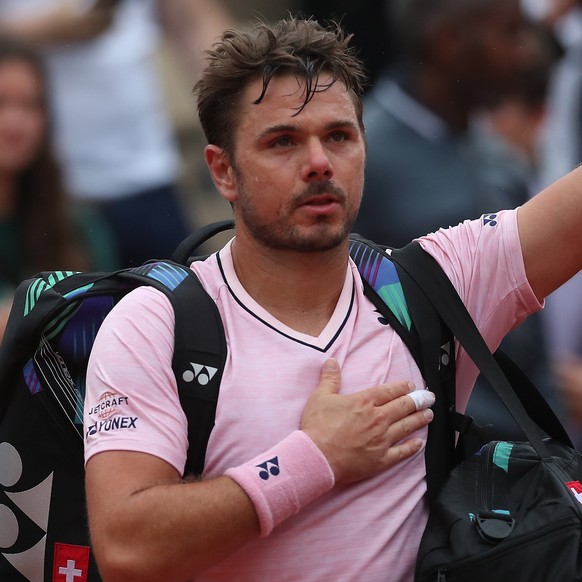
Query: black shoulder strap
{"points": [[395, 295], [516, 391], [184, 251], [200, 349], [198, 363]]}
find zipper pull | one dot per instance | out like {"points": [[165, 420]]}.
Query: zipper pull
{"points": [[442, 575]]}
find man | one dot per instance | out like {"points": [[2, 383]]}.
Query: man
{"points": [[315, 469]]}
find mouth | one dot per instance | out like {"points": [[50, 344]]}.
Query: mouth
{"points": [[321, 204], [321, 200]]}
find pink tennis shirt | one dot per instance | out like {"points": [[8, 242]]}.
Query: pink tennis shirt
{"points": [[368, 530]]}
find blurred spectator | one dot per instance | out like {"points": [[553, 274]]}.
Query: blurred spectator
{"points": [[561, 148], [112, 129], [453, 58], [37, 228], [561, 151], [430, 165], [518, 115], [367, 20]]}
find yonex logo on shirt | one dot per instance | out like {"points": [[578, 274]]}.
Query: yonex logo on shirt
{"points": [[201, 373], [268, 468], [490, 220]]}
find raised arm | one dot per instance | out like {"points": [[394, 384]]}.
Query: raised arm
{"points": [[192, 27], [147, 524], [550, 230], [64, 24]]}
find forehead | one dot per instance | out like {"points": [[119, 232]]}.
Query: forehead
{"points": [[284, 99]]}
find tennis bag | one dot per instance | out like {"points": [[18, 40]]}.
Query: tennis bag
{"points": [[43, 358], [512, 511]]}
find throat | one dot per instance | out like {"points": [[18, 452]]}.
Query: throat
{"points": [[308, 322]]}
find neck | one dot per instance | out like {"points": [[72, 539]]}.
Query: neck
{"points": [[299, 289]]}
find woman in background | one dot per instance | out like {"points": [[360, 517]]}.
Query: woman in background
{"points": [[39, 228]]}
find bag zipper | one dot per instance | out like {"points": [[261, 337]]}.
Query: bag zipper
{"points": [[475, 561]]}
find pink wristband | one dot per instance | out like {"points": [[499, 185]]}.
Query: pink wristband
{"points": [[284, 479]]}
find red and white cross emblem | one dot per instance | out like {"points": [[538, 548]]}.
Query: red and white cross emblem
{"points": [[71, 563]]}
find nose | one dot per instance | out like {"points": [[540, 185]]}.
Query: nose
{"points": [[317, 165]]}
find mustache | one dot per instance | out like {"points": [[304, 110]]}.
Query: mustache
{"points": [[318, 188]]}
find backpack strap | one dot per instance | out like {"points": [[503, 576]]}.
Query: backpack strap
{"points": [[183, 252], [397, 298], [200, 349], [438, 289], [198, 363]]}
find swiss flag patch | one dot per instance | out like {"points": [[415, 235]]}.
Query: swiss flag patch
{"points": [[576, 488], [71, 563]]}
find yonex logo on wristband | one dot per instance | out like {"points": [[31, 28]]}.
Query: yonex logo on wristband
{"points": [[268, 468]]}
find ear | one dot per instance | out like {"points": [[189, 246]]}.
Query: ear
{"points": [[221, 171]]}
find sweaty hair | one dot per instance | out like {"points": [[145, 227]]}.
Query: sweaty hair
{"points": [[293, 46]]}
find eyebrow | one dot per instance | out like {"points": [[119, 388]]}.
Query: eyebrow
{"points": [[294, 128]]}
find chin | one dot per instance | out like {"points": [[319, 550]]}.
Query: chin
{"points": [[315, 240]]}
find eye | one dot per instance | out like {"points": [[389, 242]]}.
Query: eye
{"points": [[282, 142], [338, 136]]}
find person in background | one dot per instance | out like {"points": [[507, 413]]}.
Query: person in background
{"points": [[39, 228], [112, 129], [431, 165], [560, 151], [367, 20], [519, 115]]}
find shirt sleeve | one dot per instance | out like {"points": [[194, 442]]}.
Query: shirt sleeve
{"points": [[484, 261], [131, 401]]}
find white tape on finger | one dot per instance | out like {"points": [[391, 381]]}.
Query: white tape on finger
{"points": [[422, 398]]}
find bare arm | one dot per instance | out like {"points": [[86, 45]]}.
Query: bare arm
{"points": [[64, 24], [550, 228], [148, 525], [193, 26]]}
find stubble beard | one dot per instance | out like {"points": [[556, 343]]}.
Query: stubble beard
{"points": [[284, 234]]}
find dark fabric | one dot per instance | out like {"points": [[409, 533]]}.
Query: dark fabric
{"points": [[146, 225], [505, 514]]}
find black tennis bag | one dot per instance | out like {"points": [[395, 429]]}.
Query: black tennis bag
{"points": [[43, 358], [512, 511], [507, 513]]}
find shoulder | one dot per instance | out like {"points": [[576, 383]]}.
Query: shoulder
{"points": [[483, 258], [142, 317]]}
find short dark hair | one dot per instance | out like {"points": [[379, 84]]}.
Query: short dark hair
{"points": [[296, 46]]}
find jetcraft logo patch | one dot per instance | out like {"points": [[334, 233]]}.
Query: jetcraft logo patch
{"points": [[107, 405]]}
